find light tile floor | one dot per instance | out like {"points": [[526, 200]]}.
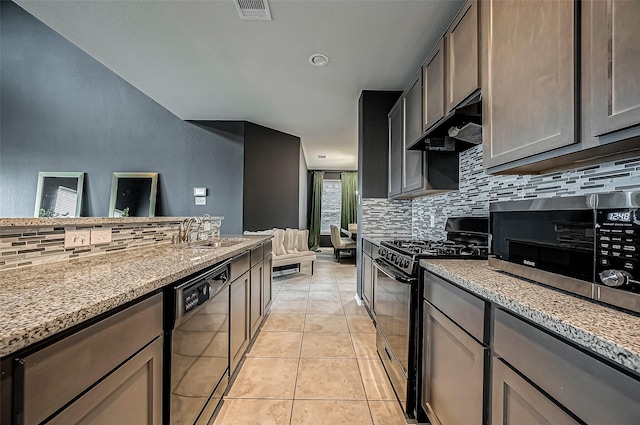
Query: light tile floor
{"points": [[314, 361]]}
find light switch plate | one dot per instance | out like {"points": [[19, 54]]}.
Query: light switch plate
{"points": [[99, 236], [201, 200], [199, 191], [76, 238]]}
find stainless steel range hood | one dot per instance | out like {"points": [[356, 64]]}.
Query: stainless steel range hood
{"points": [[459, 130]]}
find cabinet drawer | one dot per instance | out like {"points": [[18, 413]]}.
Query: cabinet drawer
{"points": [[267, 248], [239, 265], [256, 255], [595, 392], [73, 364], [463, 308]]}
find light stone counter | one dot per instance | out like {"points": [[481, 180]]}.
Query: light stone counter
{"points": [[611, 333], [85, 221], [40, 301]]}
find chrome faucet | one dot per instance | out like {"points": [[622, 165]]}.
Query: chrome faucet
{"points": [[184, 232]]}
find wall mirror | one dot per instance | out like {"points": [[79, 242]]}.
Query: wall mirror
{"points": [[133, 195], [59, 194]]}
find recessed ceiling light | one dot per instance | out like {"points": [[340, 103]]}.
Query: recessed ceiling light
{"points": [[319, 59], [322, 156]]}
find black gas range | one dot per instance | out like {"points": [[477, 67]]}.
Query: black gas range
{"points": [[467, 238], [397, 297]]}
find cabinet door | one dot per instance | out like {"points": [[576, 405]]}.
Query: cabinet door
{"points": [[367, 280], [395, 150], [433, 82], [238, 319], [77, 362], [529, 78], [595, 392], [462, 55], [267, 289], [615, 65], [412, 160], [452, 371], [516, 402], [255, 298], [132, 394]]}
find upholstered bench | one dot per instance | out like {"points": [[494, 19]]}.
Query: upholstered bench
{"points": [[290, 247]]}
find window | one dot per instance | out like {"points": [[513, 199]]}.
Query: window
{"points": [[331, 205]]}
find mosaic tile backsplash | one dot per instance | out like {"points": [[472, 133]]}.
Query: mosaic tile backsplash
{"points": [[477, 189], [384, 218], [31, 244]]}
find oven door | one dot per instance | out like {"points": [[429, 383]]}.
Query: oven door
{"points": [[392, 309]]}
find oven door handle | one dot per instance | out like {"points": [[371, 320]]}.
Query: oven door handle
{"points": [[380, 265]]}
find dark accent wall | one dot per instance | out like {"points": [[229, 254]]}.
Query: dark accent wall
{"points": [[373, 154], [373, 142], [61, 110], [271, 179]]}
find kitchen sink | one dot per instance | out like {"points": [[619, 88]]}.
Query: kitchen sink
{"points": [[216, 243]]}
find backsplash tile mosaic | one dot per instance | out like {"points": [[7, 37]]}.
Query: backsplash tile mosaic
{"points": [[383, 218], [30, 244], [477, 189]]}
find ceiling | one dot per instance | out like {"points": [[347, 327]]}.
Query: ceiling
{"points": [[201, 62]]}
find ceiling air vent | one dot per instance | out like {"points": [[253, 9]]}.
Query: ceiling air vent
{"points": [[253, 10]]}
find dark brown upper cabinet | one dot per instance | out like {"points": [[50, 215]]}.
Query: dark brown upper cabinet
{"points": [[415, 173], [462, 58], [412, 178], [615, 65], [395, 149], [549, 104], [451, 79], [529, 78], [433, 81]]}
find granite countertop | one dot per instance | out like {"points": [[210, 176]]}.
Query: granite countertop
{"points": [[40, 301], [84, 221], [611, 333]]}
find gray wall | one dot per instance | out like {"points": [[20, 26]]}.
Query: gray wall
{"points": [[61, 110], [271, 178]]}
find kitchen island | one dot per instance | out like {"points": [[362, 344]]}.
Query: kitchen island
{"points": [[96, 330], [41, 301]]}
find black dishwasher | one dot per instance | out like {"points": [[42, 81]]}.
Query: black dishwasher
{"points": [[197, 346]]}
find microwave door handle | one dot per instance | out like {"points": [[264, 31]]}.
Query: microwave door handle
{"points": [[402, 279]]}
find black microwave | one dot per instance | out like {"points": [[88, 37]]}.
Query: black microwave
{"points": [[587, 245]]}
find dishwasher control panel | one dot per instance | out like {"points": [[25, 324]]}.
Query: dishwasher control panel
{"points": [[195, 296]]}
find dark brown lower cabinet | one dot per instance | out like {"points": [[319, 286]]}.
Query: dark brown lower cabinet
{"points": [[238, 319], [531, 375], [592, 391], [110, 372], [267, 279], [132, 394], [516, 402], [256, 306], [453, 371]]}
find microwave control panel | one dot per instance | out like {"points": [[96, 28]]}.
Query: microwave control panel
{"points": [[618, 248]]}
